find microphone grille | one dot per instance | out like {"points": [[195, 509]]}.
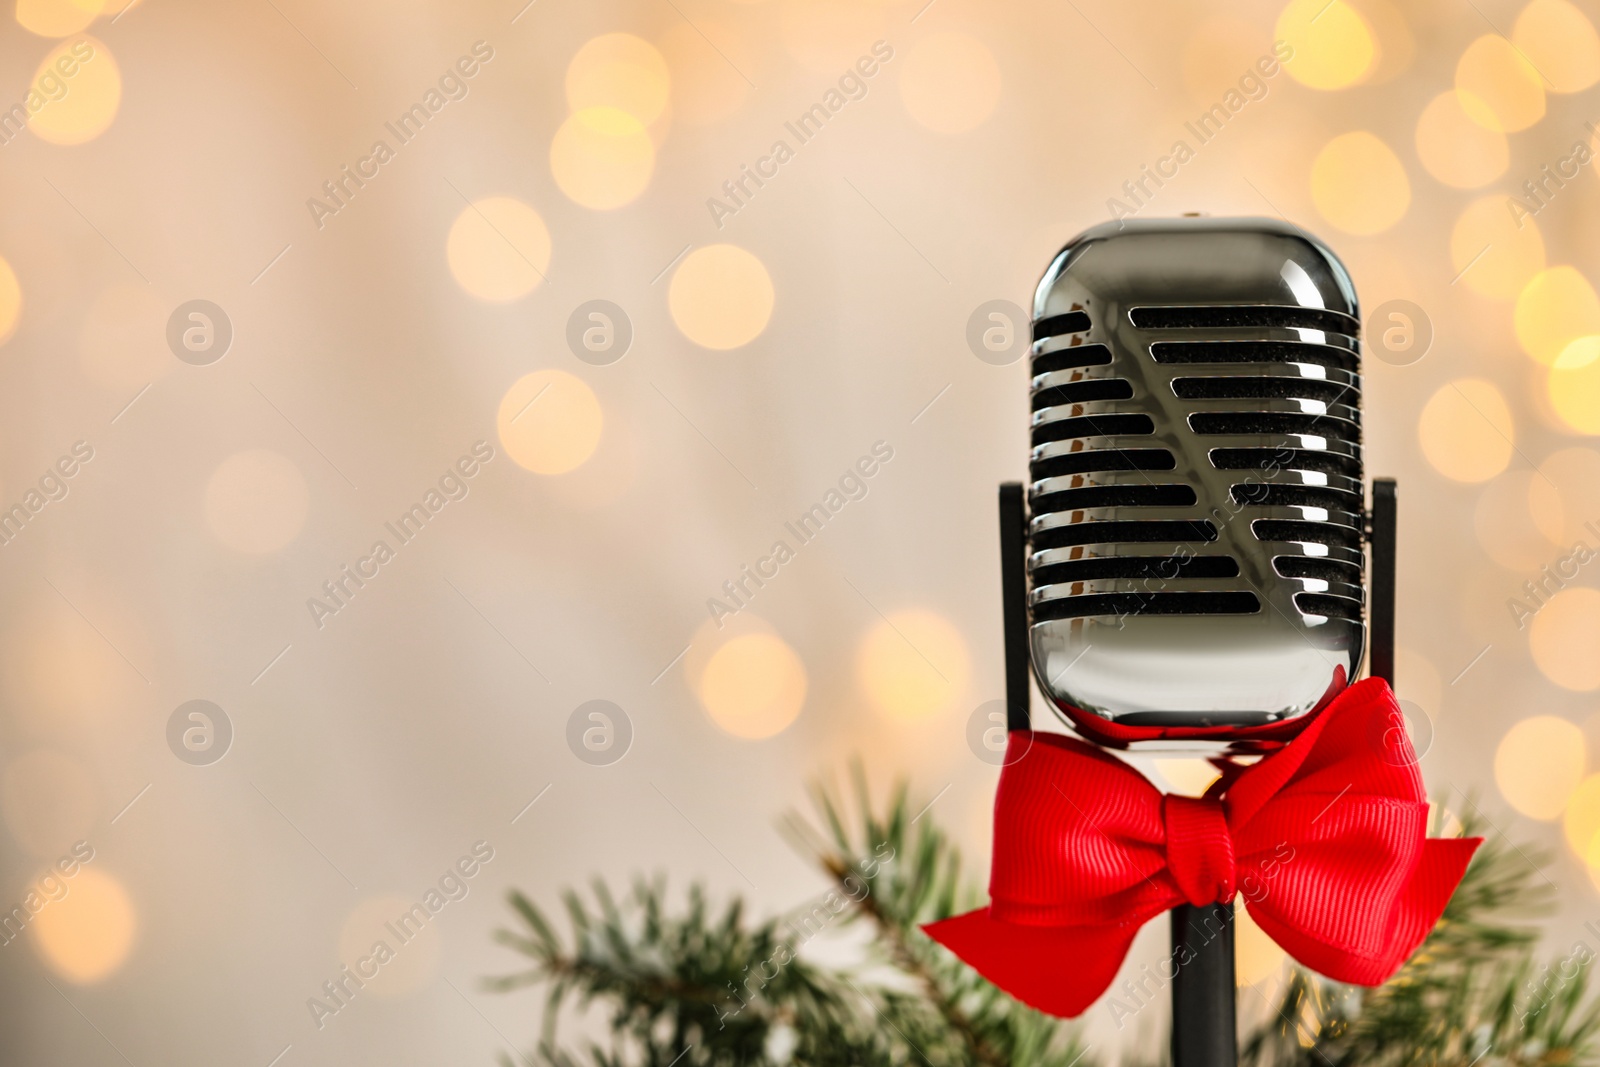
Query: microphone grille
{"points": [[1196, 454]]}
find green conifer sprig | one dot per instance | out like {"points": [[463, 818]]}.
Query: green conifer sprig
{"points": [[1472, 994]]}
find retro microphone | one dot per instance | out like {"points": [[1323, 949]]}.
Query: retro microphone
{"points": [[1188, 569]]}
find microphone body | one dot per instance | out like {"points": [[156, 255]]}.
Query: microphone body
{"points": [[1196, 499]]}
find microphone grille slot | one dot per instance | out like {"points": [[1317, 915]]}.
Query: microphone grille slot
{"points": [[1333, 607], [1244, 423], [1302, 531], [1140, 532], [1236, 316], [1197, 603], [1075, 321], [1081, 392], [1071, 359], [1256, 459], [1321, 355], [1241, 387], [1084, 570], [1103, 459]]}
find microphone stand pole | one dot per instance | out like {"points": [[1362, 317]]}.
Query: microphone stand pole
{"points": [[1203, 1008]]}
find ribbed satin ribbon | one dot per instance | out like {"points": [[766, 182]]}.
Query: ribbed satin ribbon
{"points": [[1326, 838]]}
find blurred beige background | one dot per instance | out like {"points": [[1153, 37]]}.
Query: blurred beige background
{"points": [[406, 355]]}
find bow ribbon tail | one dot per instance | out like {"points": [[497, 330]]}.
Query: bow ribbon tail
{"points": [[1060, 970]]}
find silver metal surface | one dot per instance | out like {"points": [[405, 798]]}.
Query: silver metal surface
{"points": [[1196, 505]]}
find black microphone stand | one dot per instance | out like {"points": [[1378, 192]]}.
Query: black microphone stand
{"points": [[1204, 1010]]}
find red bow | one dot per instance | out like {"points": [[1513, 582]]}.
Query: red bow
{"points": [[1326, 838]]}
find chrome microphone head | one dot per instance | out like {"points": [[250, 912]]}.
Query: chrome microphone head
{"points": [[1196, 564]]}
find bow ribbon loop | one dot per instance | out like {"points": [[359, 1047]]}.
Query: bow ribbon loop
{"points": [[1327, 837]]}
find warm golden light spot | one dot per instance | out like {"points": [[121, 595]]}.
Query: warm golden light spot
{"points": [[1189, 777], [1519, 521], [58, 669], [1575, 475], [88, 933], [753, 686], [827, 36], [949, 82], [1555, 308], [602, 158], [57, 18], [1574, 385], [410, 940], [712, 634], [49, 801], [1580, 353], [1581, 822], [550, 422], [721, 297], [1332, 42], [1466, 431], [913, 664], [10, 301], [1256, 956], [72, 110], [1498, 88], [706, 88], [1539, 763], [122, 342], [1359, 184], [1563, 638], [1455, 149], [1560, 42], [498, 249], [1493, 253], [621, 71], [256, 502], [1593, 862], [608, 475]]}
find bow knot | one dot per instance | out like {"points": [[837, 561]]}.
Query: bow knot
{"points": [[1199, 849], [1328, 835]]}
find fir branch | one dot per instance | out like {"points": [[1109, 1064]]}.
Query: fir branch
{"points": [[681, 988], [892, 932], [901, 875], [1471, 994]]}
